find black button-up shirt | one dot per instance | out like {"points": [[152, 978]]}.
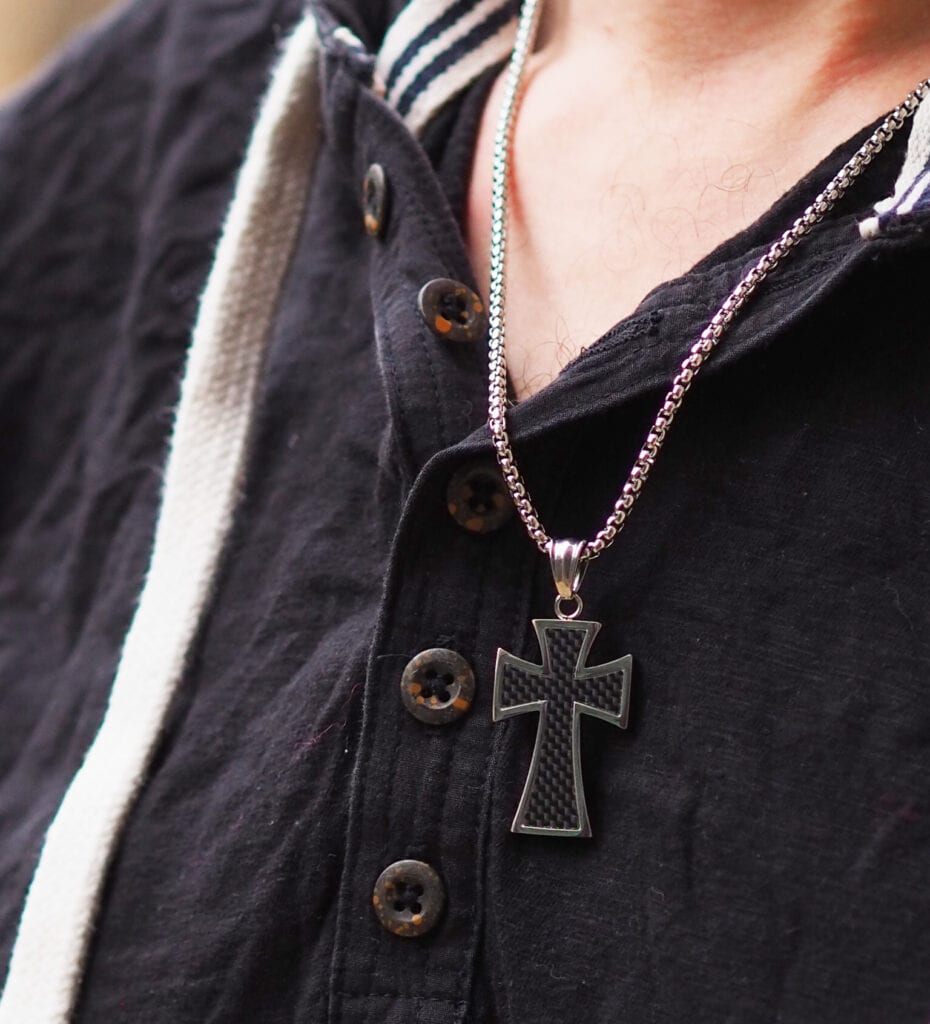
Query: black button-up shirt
{"points": [[761, 830]]}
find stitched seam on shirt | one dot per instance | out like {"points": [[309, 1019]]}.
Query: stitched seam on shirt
{"points": [[423, 220], [711, 278], [521, 614], [389, 336], [620, 338], [385, 994], [354, 832], [741, 262], [447, 255], [433, 824], [410, 460], [434, 381], [398, 381], [467, 969], [392, 775]]}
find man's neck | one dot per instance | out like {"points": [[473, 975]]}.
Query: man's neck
{"points": [[813, 46]]}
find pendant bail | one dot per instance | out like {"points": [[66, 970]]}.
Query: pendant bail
{"points": [[568, 565], [567, 560]]}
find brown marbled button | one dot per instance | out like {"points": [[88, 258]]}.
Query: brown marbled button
{"points": [[375, 200], [477, 498], [409, 898], [452, 310], [437, 686]]}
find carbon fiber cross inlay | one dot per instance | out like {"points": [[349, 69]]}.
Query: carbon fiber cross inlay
{"points": [[561, 689]]}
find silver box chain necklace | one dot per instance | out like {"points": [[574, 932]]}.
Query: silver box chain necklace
{"points": [[564, 687]]}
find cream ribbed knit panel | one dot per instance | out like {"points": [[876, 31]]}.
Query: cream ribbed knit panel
{"points": [[914, 178], [918, 150], [202, 478]]}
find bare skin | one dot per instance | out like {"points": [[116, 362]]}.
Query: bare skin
{"points": [[653, 130]]}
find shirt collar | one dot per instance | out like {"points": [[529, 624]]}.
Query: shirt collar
{"points": [[435, 48]]}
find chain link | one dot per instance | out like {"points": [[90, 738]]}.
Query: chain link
{"points": [[699, 351]]}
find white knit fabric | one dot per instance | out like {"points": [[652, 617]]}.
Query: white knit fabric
{"points": [[918, 150], [912, 178], [202, 477]]}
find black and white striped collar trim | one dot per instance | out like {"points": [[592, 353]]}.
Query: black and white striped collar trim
{"points": [[435, 48]]}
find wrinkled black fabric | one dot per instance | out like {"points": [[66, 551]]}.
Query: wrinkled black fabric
{"points": [[762, 839]]}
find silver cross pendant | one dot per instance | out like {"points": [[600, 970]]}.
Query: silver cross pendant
{"points": [[561, 690]]}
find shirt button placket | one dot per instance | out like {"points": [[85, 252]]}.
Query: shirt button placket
{"points": [[415, 848], [437, 687]]}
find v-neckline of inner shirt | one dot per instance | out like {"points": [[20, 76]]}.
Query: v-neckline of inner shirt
{"points": [[450, 141]]}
